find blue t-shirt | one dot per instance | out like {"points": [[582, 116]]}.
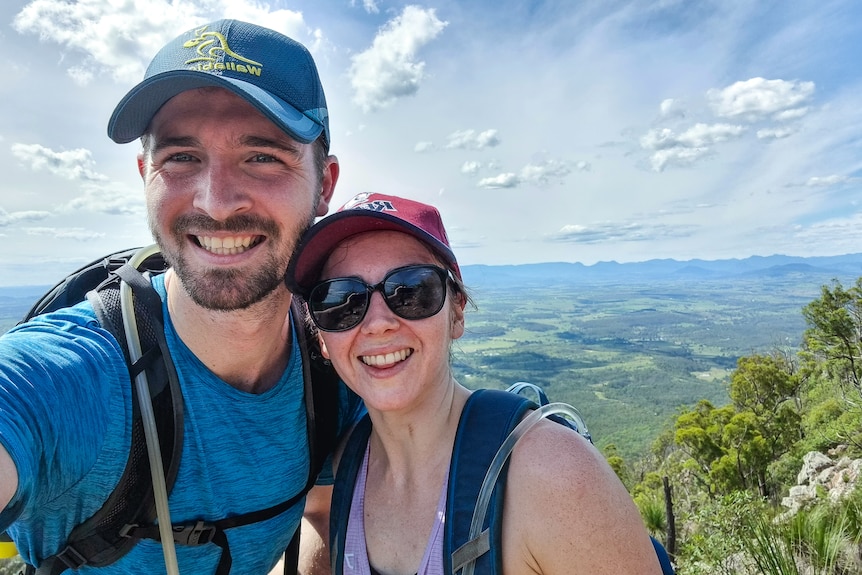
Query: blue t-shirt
{"points": [[65, 411]]}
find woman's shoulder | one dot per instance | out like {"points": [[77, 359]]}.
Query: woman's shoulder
{"points": [[559, 484], [554, 456]]}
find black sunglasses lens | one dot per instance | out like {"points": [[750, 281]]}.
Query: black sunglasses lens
{"points": [[415, 292], [338, 304]]}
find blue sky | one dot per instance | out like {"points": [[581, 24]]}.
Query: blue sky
{"points": [[544, 131]]}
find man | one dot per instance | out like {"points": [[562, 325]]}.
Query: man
{"points": [[235, 136]]}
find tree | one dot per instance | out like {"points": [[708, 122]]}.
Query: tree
{"points": [[731, 448], [617, 463], [699, 435], [765, 392], [834, 335]]}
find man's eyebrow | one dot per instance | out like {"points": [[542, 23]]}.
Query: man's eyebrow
{"points": [[285, 146], [175, 142], [281, 145]]}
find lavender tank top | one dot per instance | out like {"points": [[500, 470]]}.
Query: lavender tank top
{"points": [[355, 551]]}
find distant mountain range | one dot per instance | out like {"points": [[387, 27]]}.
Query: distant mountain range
{"points": [[845, 268]]}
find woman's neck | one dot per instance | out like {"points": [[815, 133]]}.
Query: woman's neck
{"points": [[408, 443]]}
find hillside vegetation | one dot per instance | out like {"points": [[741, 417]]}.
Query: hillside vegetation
{"points": [[630, 344], [731, 465]]}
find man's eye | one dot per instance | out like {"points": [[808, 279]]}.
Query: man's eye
{"points": [[181, 157], [263, 158]]}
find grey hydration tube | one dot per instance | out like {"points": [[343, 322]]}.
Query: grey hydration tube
{"points": [[499, 460], [160, 492]]}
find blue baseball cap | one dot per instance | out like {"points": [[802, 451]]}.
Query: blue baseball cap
{"points": [[274, 73]]}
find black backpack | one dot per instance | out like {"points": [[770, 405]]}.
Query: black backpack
{"points": [[483, 439], [129, 513]]}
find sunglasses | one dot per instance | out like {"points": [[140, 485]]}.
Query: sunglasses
{"points": [[411, 292]]}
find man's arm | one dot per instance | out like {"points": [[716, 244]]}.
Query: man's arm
{"points": [[8, 478], [314, 543]]}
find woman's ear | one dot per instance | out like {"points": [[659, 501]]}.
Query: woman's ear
{"points": [[458, 317], [323, 351]]}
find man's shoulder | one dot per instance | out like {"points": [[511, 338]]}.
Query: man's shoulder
{"points": [[70, 336], [79, 315]]}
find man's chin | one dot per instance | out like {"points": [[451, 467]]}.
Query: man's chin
{"points": [[228, 290]]}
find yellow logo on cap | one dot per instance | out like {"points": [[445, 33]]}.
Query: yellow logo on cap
{"points": [[212, 48]]}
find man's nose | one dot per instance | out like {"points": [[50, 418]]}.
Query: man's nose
{"points": [[220, 192]]}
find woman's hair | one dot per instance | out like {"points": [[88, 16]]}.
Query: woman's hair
{"points": [[455, 284], [459, 289]]}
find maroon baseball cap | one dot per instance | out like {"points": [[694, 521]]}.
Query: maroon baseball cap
{"points": [[366, 213]]}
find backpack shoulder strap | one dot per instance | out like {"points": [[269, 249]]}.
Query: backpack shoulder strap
{"points": [[321, 405], [486, 421], [321, 393], [342, 492], [102, 539]]}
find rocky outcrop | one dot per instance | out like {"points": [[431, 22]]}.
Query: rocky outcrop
{"points": [[821, 475]]}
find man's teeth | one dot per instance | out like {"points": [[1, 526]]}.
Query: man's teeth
{"points": [[386, 360], [226, 246]]}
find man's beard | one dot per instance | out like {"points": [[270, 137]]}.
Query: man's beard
{"points": [[228, 289]]}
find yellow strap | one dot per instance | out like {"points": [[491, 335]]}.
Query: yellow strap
{"points": [[7, 550]]}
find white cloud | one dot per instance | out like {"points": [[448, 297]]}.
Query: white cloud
{"points": [[671, 149], [826, 181], [470, 167], [677, 156], [72, 164], [120, 37], [671, 108], [472, 140], [109, 199], [698, 136], [422, 147], [775, 133], [542, 172], [758, 98], [507, 180], [77, 234], [8, 219], [707, 135], [80, 75], [117, 37], [369, 6], [844, 233], [389, 69], [792, 114], [601, 232]]}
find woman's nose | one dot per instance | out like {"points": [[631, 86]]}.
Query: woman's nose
{"points": [[378, 317]]}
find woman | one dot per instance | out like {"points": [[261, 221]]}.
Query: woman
{"points": [[384, 288]]}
